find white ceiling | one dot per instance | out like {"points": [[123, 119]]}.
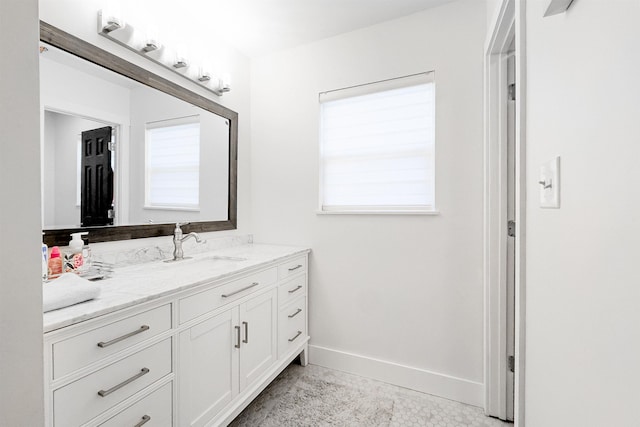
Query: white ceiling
{"points": [[257, 27]]}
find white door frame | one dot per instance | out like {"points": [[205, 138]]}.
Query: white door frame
{"points": [[507, 25]]}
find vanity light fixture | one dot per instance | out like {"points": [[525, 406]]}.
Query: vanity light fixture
{"points": [[113, 28], [150, 46], [204, 73], [204, 77], [112, 24], [181, 63], [225, 84], [151, 40]]}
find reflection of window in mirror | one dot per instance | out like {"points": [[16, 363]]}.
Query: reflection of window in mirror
{"points": [[172, 162]]}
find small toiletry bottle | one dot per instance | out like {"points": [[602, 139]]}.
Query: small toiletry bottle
{"points": [[76, 258], [55, 263], [45, 261]]}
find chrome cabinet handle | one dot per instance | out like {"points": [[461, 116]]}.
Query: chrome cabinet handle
{"points": [[142, 328], [104, 393], [145, 419], [240, 290], [296, 336], [238, 336], [246, 332], [291, 316], [296, 289], [296, 267]]}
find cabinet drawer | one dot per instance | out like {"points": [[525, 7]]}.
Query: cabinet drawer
{"points": [[292, 289], [204, 302], [82, 350], [292, 326], [80, 401], [153, 410], [293, 267]]}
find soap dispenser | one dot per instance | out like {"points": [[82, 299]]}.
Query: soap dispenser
{"points": [[76, 259]]}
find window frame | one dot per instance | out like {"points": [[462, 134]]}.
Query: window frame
{"points": [[371, 88], [178, 121]]}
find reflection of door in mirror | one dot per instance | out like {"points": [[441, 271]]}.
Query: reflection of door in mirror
{"points": [[96, 191], [62, 167]]}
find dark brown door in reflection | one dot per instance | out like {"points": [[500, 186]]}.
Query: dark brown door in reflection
{"points": [[97, 178]]}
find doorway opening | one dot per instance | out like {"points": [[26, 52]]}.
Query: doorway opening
{"points": [[504, 215]]}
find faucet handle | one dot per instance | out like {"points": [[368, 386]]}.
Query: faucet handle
{"points": [[180, 224]]}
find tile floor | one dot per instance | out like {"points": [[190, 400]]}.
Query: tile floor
{"points": [[317, 396]]}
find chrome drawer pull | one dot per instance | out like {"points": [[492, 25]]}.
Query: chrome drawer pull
{"points": [[291, 316], [103, 344], [296, 289], [296, 267], [294, 338], [238, 335], [144, 420], [143, 371], [240, 290], [246, 332]]}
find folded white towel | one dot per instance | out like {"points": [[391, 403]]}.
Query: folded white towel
{"points": [[66, 290]]}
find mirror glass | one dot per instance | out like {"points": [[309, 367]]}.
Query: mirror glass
{"points": [[116, 152]]}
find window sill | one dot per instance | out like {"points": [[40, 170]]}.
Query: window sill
{"points": [[170, 208]]}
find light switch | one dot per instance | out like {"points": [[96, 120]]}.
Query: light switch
{"points": [[549, 183]]}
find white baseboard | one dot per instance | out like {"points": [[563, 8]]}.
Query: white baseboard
{"points": [[458, 389]]}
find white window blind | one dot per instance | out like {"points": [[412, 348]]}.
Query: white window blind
{"points": [[377, 146], [173, 163]]}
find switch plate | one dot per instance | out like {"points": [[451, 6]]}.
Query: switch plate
{"points": [[549, 183]]}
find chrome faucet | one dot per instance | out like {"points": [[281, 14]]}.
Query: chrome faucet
{"points": [[178, 238]]}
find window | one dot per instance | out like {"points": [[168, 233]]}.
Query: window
{"points": [[377, 147], [173, 164]]}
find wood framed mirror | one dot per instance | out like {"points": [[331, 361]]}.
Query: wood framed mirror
{"points": [[138, 215]]}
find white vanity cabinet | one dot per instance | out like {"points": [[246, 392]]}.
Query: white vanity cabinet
{"points": [[221, 356], [111, 364], [208, 368], [257, 344], [193, 357]]}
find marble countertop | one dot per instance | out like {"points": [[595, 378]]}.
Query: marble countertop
{"points": [[135, 284]]}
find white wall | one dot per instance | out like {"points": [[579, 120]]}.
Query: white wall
{"points": [[400, 289], [82, 23], [583, 281], [21, 392]]}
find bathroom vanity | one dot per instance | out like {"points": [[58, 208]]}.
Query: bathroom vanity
{"points": [[186, 343]]}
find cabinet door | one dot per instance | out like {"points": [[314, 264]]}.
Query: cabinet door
{"points": [[258, 351], [208, 368]]}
